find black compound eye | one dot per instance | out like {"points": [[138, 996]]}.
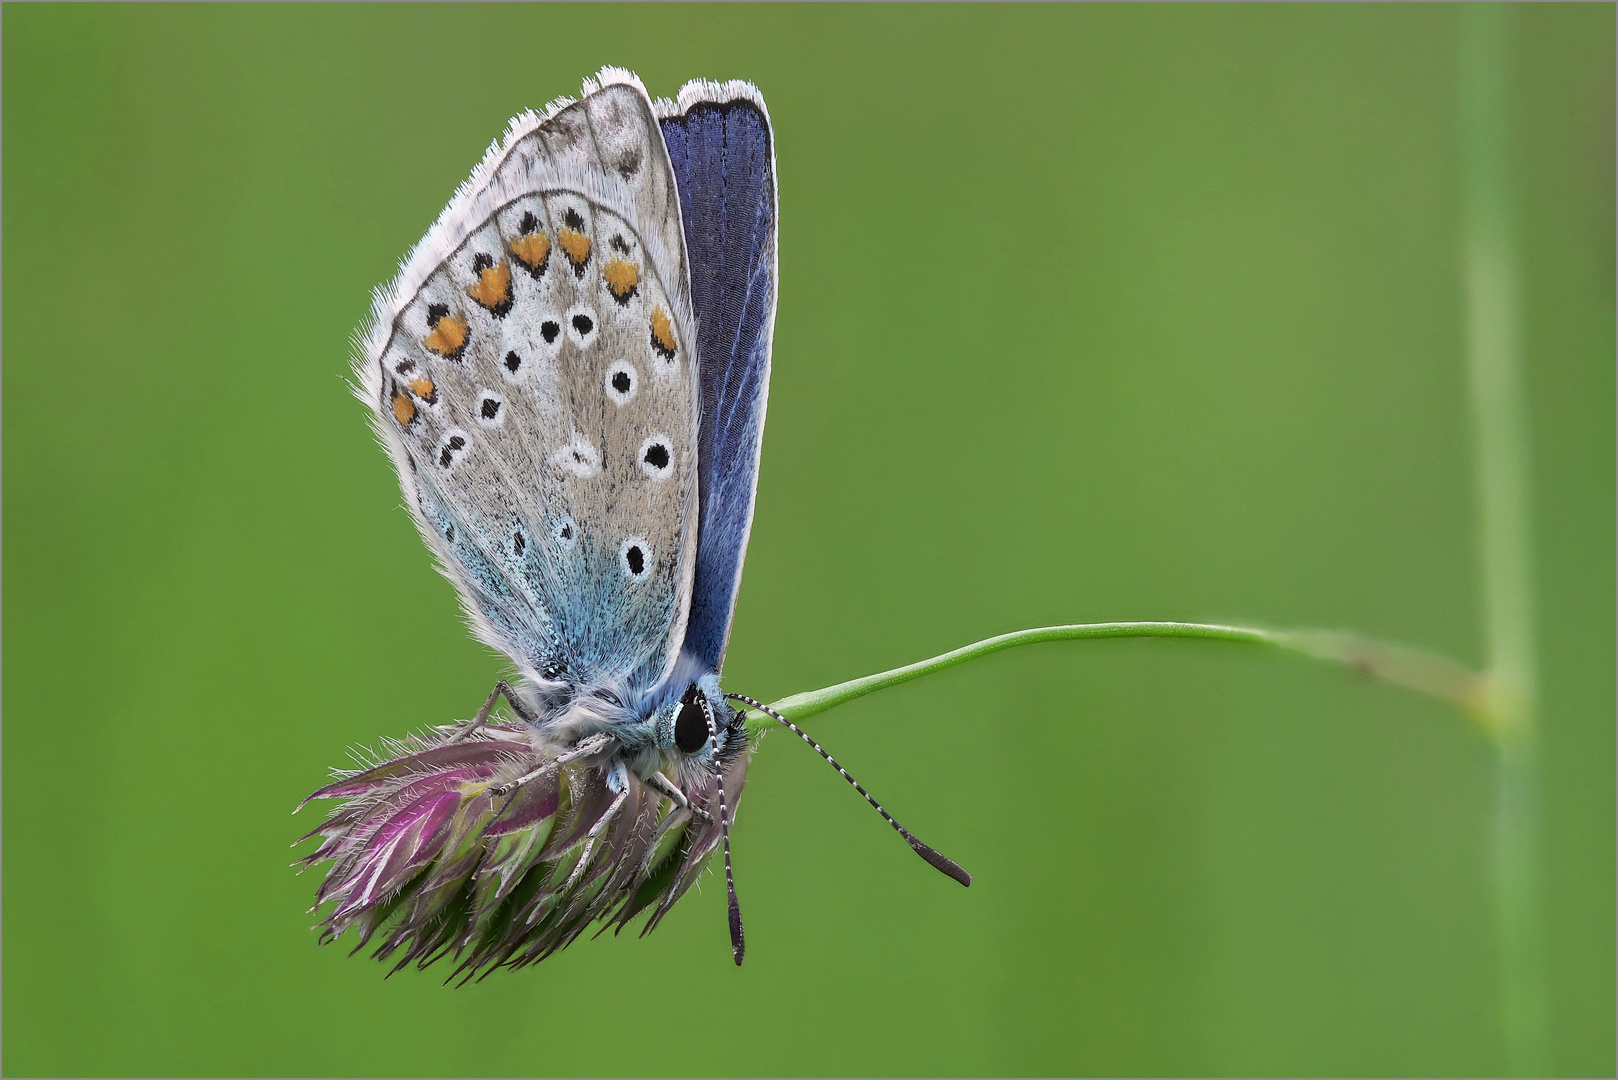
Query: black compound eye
{"points": [[690, 726]]}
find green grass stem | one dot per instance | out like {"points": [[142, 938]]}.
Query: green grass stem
{"points": [[1500, 429], [1401, 665]]}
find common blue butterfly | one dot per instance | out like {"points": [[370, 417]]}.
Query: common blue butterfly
{"points": [[570, 374]]}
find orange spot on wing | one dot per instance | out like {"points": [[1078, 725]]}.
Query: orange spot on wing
{"points": [[423, 388], [662, 334], [448, 338], [621, 278], [404, 410], [532, 250], [576, 244], [493, 289]]}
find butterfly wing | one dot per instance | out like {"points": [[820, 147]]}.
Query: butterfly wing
{"points": [[723, 155], [532, 377]]}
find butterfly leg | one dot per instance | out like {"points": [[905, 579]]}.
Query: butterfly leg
{"points": [[596, 829], [501, 688], [661, 783], [593, 745]]}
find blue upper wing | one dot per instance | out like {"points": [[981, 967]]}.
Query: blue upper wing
{"points": [[720, 144]]}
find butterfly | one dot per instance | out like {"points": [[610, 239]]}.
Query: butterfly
{"points": [[570, 374]]}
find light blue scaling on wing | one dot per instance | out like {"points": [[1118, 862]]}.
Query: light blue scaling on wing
{"points": [[534, 376]]}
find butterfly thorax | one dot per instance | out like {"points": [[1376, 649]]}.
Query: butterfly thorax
{"points": [[684, 734]]}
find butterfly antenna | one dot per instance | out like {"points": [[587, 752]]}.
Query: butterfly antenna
{"points": [[938, 861], [738, 941]]}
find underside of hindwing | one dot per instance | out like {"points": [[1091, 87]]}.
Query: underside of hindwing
{"points": [[533, 374]]}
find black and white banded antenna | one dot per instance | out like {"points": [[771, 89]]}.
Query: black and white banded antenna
{"points": [[738, 941], [938, 861]]}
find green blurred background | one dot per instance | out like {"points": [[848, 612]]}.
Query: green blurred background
{"points": [[1086, 313]]}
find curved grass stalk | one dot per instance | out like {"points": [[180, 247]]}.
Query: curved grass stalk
{"points": [[1400, 665], [1493, 699]]}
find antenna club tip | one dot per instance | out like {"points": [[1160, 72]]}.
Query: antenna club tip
{"points": [[738, 941], [941, 863]]}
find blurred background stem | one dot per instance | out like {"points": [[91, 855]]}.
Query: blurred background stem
{"points": [[1499, 415]]}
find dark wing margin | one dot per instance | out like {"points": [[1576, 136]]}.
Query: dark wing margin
{"points": [[720, 144]]}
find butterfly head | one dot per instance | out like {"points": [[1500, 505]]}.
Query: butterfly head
{"points": [[698, 732]]}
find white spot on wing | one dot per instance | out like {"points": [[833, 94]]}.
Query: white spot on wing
{"points": [[548, 344], [631, 552], [622, 374], [491, 409], [581, 325], [657, 457], [450, 448], [578, 457], [514, 366]]}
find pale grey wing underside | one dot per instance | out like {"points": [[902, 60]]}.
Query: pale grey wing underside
{"points": [[532, 377]]}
